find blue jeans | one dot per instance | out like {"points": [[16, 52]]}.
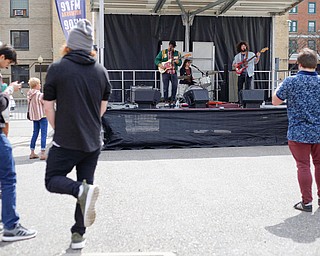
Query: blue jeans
{"points": [[8, 180], [42, 125], [60, 163], [174, 83]]}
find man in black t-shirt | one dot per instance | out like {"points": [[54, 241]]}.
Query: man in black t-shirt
{"points": [[80, 88]]}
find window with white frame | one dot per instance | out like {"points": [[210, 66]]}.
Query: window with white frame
{"points": [[19, 8], [293, 26], [311, 7], [311, 26], [294, 10]]}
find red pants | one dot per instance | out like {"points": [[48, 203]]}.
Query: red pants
{"points": [[301, 153]]}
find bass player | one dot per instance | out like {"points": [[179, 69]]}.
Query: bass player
{"points": [[168, 61], [244, 68]]}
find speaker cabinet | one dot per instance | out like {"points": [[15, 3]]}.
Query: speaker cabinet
{"points": [[197, 98], [252, 98], [147, 98]]}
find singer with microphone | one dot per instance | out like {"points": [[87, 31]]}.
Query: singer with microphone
{"points": [[168, 61]]}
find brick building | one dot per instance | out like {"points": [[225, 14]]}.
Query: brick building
{"points": [[304, 28]]}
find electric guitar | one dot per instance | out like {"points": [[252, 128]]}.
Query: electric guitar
{"points": [[241, 66], [169, 63]]}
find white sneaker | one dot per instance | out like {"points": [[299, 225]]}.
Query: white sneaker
{"points": [[87, 201], [77, 241], [18, 233]]}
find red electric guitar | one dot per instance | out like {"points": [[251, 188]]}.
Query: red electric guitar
{"points": [[241, 66]]}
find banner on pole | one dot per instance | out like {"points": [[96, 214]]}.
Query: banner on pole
{"points": [[70, 12]]}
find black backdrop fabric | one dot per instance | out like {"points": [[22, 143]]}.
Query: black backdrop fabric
{"points": [[156, 128], [133, 41], [226, 32]]}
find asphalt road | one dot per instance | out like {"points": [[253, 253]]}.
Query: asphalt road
{"points": [[185, 202]]}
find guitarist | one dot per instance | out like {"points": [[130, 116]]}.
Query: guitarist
{"points": [[171, 73], [240, 63]]}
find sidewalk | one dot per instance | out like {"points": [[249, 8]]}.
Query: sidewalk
{"points": [[184, 202]]}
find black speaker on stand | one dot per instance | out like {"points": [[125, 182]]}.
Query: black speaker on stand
{"points": [[252, 98], [147, 98], [197, 97]]}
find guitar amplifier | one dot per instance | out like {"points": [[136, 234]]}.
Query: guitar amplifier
{"points": [[135, 88]]}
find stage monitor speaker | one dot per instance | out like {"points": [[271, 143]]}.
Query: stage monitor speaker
{"points": [[147, 98], [252, 98], [197, 98]]}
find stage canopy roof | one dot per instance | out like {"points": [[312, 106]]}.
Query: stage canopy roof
{"points": [[261, 8]]}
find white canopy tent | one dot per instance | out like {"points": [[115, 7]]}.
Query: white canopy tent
{"points": [[260, 8], [188, 9]]}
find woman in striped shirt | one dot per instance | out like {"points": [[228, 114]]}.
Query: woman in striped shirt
{"points": [[37, 115]]}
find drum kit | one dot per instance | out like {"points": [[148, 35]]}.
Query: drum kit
{"points": [[199, 83]]}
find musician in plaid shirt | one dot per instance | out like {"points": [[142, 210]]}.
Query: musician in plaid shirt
{"points": [[170, 70]]}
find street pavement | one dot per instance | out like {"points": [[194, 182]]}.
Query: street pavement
{"points": [[171, 202]]}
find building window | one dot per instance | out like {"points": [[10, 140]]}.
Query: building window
{"points": [[311, 26], [311, 7], [312, 44], [293, 47], [20, 39], [294, 10], [293, 27], [19, 8], [20, 73]]}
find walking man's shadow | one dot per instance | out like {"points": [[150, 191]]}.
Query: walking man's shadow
{"points": [[303, 228]]}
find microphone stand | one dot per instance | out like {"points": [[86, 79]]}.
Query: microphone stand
{"points": [[203, 74]]}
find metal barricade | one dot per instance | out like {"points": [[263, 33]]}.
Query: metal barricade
{"points": [[18, 108]]}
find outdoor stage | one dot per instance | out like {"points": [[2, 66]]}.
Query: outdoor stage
{"points": [[186, 127]]}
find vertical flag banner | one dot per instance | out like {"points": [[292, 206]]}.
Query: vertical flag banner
{"points": [[70, 12]]}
